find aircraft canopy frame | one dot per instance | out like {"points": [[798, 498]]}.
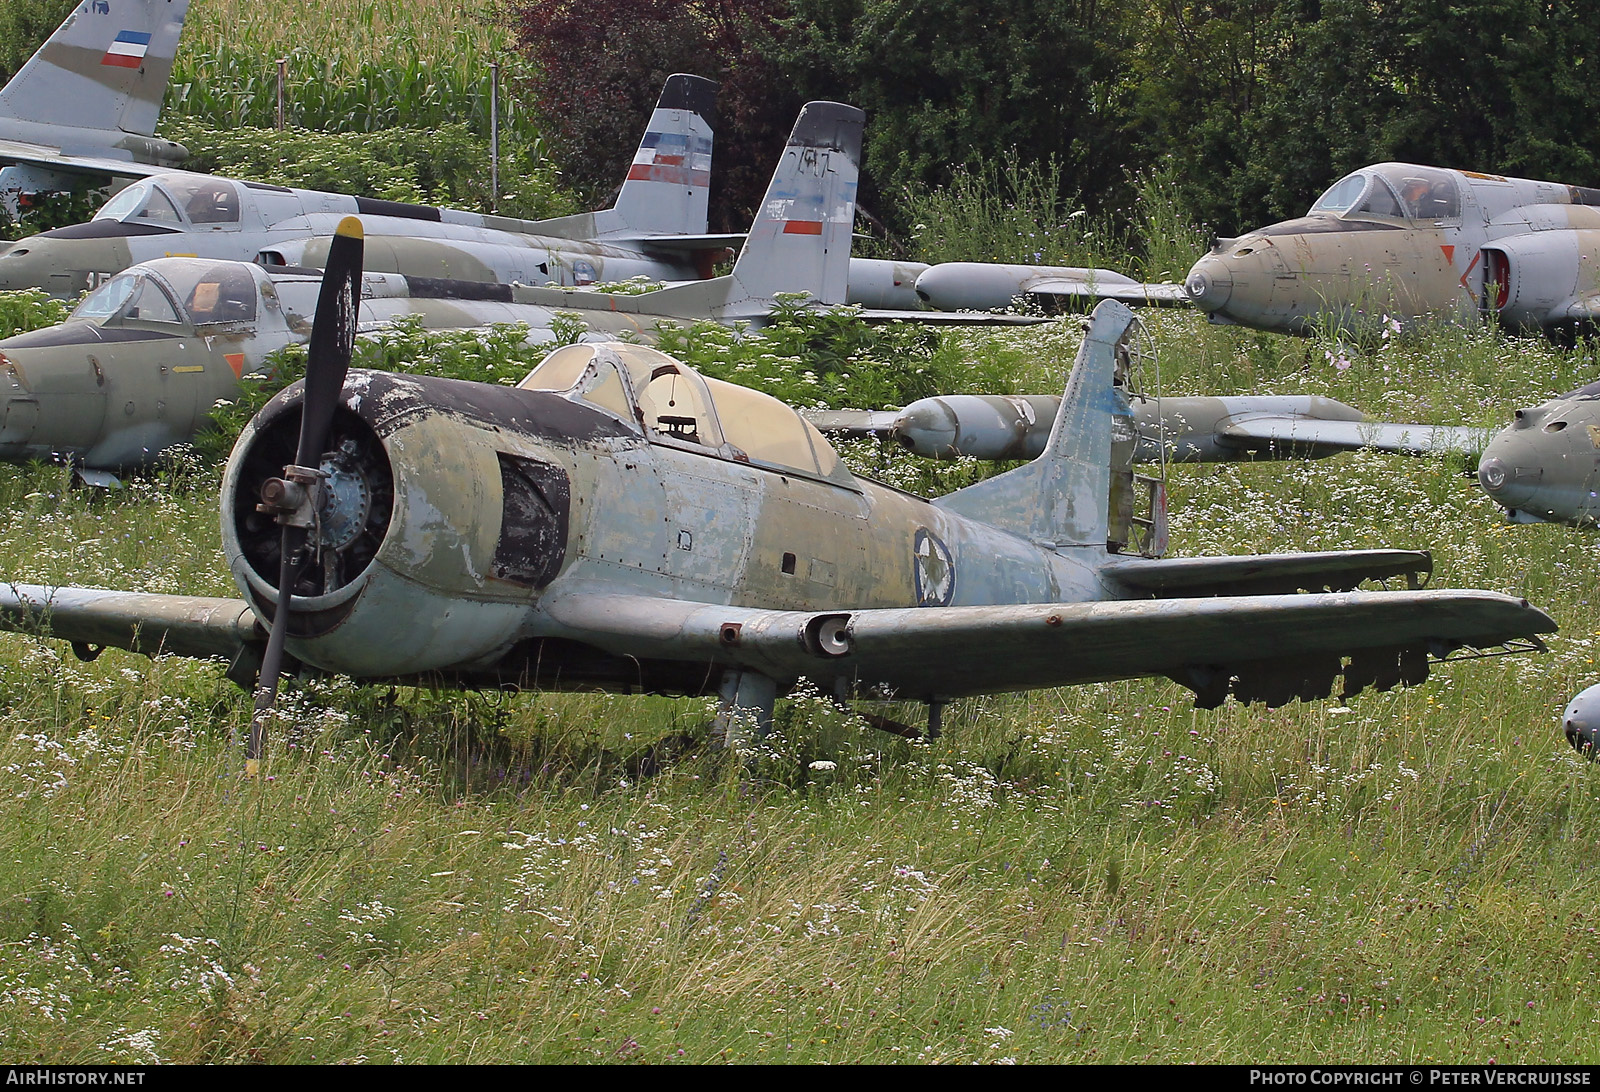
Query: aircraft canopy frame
{"points": [[670, 402]]}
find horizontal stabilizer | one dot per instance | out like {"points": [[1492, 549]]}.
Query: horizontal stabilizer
{"points": [[182, 625], [1332, 570]]}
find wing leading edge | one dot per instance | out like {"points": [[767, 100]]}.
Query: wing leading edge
{"points": [[1258, 647]]}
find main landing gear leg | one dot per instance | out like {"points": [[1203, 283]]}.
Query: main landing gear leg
{"points": [[745, 707]]}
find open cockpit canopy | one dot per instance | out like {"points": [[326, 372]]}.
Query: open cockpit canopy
{"points": [[671, 402]]}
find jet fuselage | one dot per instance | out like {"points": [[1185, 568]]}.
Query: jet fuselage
{"points": [[1404, 242]]}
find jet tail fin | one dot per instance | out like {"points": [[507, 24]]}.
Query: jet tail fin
{"points": [[105, 68], [667, 187], [800, 240], [1063, 498]]}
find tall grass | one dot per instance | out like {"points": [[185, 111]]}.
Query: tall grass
{"points": [[359, 67], [1099, 873]]}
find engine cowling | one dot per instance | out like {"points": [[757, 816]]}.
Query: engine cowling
{"points": [[440, 521]]}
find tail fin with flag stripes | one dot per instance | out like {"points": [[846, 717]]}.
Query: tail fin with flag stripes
{"points": [[105, 68]]}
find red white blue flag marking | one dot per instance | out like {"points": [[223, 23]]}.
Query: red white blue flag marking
{"points": [[128, 50]]}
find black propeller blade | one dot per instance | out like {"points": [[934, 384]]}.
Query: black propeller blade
{"points": [[295, 499]]}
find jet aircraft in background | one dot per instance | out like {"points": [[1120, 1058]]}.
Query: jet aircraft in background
{"points": [[1413, 242], [1190, 429], [619, 522], [656, 228], [144, 357], [83, 109]]}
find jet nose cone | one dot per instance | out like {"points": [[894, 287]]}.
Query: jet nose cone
{"points": [[926, 427], [1511, 469], [1581, 722], [1209, 284]]}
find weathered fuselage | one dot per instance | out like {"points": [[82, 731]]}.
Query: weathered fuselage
{"points": [[465, 515], [1409, 242]]}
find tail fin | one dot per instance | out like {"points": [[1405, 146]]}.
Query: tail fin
{"points": [[105, 68], [800, 240], [666, 188], [1063, 498]]}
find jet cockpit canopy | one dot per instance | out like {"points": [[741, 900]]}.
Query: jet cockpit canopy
{"points": [[1402, 191], [176, 291], [175, 200]]}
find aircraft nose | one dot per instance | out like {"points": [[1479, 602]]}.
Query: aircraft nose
{"points": [[1209, 284], [926, 427], [1510, 470], [1581, 722]]}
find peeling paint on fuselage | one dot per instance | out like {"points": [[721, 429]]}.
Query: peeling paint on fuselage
{"points": [[649, 516]]}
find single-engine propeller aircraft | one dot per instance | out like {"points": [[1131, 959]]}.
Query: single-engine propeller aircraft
{"points": [[1545, 466], [1182, 429], [84, 108], [1414, 242], [146, 355], [618, 521]]}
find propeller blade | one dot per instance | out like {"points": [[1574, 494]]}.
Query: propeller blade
{"points": [[333, 337], [333, 340]]}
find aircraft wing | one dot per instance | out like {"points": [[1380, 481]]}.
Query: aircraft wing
{"points": [[184, 625], [958, 651], [877, 316], [1133, 294], [16, 151], [1330, 437], [853, 424]]}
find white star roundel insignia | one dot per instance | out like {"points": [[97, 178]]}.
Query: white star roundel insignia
{"points": [[935, 572]]}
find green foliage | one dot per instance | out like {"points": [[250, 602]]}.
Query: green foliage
{"points": [[24, 25], [228, 85], [445, 165], [1009, 210], [947, 84], [30, 309]]}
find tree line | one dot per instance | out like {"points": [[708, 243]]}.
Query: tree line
{"points": [[1253, 105]]}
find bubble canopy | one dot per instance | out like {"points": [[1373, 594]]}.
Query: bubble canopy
{"points": [[177, 291], [1401, 191], [671, 402]]}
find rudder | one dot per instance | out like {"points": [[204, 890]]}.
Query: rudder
{"points": [[1063, 498]]}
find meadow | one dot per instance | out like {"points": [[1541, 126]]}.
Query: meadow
{"points": [[1101, 873]]}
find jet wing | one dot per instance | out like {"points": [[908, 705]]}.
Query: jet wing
{"points": [[853, 424], [16, 151], [184, 625], [1330, 437], [877, 316], [1133, 294], [952, 652]]}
